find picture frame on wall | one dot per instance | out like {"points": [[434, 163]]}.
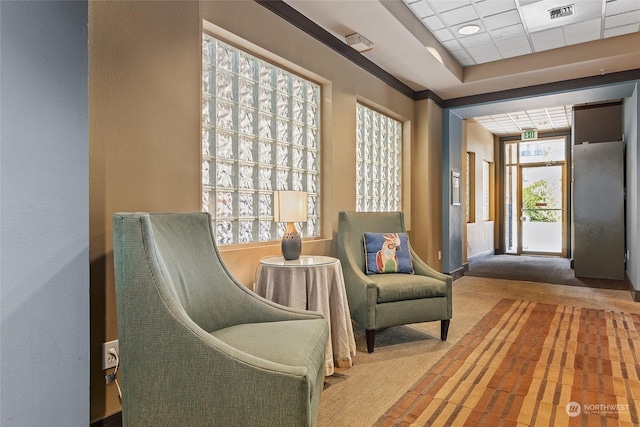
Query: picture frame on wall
{"points": [[455, 188]]}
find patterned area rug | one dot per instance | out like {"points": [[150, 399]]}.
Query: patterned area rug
{"points": [[531, 364]]}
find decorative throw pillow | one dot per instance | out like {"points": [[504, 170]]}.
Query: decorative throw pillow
{"points": [[387, 253]]}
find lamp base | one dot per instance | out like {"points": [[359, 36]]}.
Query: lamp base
{"points": [[291, 243]]}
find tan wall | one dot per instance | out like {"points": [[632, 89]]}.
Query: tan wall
{"points": [[144, 102], [144, 128], [479, 234], [426, 237]]}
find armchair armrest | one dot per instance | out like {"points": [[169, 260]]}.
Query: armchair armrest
{"points": [[424, 269], [362, 293]]}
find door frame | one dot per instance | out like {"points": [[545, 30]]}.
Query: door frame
{"points": [[502, 187]]}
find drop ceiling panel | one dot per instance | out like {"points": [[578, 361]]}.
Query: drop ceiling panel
{"points": [[503, 19], [494, 7], [541, 119], [622, 6], [622, 19], [514, 43], [458, 16], [508, 32], [445, 5]]}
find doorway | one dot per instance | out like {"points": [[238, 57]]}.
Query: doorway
{"points": [[535, 197]]}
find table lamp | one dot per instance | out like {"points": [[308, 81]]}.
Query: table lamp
{"points": [[290, 206]]}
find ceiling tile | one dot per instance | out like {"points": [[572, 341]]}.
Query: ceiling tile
{"points": [[548, 39], [526, 2], [537, 112], [547, 35], [622, 19], [493, 7], [619, 31], [511, 53], [591, 26], [508, 32], [445, 5], [467, 62], [514, 43], [475, 40], [433, 23], [482, 50], [621, 6], [482, 59], [582, 38], [458, 16], [553, 44], [421, 9], [501, 20], [461, 54], [443, 35], [452, 45]]}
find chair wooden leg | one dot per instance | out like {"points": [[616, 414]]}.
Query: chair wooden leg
{"points": [[444, 329], [371, 337]]}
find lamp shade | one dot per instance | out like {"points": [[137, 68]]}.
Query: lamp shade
{"points": [[289, 206]]}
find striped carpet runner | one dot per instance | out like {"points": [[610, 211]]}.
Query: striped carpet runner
{"points": [[532, 364]]}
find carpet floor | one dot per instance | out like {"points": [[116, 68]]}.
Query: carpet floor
{"points": [[360, 395], [529, 364], [544, 269]]}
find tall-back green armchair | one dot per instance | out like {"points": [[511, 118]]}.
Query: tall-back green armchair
{"points": [[383, 300], [198, 348]]}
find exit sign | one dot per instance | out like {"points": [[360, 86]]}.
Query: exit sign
{"points": [[529, 134]]}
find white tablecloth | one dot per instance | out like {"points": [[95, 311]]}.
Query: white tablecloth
{"points": [[312, 283]]}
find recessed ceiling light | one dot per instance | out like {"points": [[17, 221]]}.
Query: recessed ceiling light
{"points": [[469, 29]]}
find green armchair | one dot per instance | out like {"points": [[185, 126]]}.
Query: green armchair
{"points": [[383, 300], [198, 348]]}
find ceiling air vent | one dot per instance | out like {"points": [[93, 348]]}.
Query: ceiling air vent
{"points": [[559, 12]]}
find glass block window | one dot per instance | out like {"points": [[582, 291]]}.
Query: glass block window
{"points": [[378, 161], [260, 133]]}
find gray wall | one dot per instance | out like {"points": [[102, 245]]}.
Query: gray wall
{"points": [[44, 213], [631, 110], [451, 215], [598, 209]]}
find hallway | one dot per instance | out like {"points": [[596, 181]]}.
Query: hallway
{"points": [[544, 269]]}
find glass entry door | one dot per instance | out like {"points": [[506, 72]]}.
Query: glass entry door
{"points": [[535, 188], [541, 213]]}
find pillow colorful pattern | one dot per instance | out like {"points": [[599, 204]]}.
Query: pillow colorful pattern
{"points": [[387, 253]]}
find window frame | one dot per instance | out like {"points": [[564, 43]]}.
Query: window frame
{"points": [[277, 229]]}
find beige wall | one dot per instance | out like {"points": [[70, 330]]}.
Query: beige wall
{"points": [[144, 107], [426, 152], [479, 234]]}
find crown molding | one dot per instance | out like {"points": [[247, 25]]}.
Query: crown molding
{"points": [[546, 88]]}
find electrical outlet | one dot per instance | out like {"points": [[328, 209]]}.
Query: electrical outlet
{"points": [[108, 359]]}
